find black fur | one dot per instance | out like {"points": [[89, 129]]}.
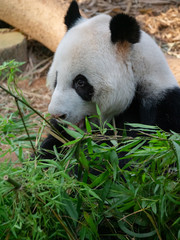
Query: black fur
{"points": [[124, 28], [50, 142], [164, 113], [168, 111], [55, 82], [72, 15], [84, 89]]}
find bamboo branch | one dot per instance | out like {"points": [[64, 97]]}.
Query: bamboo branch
{"points": [[11, 181], [27, 132], [29, 106], [35, 111]]}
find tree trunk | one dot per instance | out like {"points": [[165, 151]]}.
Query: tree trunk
{"points": [[13, 45], [42, 20]]}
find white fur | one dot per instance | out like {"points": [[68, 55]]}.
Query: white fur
{"points": [[150, 67], [87, 49]]}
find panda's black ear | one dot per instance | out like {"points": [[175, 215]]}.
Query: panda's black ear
{"points": [[124, 28], [72, 15]]}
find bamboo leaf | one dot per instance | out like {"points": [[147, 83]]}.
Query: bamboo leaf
{"points": [[88, 126], [177, 151], [91, 223], [133, 234]]}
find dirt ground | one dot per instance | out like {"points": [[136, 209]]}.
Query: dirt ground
{"points": [[174, 64]]}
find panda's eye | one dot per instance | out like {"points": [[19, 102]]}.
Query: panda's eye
{"points": [[83, 88], [80, 81]]}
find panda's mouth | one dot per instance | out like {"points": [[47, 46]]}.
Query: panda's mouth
{"points": [[80, 124]]}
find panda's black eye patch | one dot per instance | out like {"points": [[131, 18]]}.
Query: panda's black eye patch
{"points": [[83, 88]]}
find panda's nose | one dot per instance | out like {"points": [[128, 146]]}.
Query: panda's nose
{"points": [[61, 116]]}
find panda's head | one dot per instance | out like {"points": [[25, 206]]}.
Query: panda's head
{"points": [[92, 66]]}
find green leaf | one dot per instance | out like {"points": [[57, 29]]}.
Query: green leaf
{"points": [[172, 199], [83, 160], [88, 126], [90, 146], [133, 234], [71, 209], [143, 177], [72, 125], [100, 179], [98, 110], [133, 150], [127, 206], [154, 208], [115, 163], [91, 223], [72, 142], [162, 207], [142, 127], [176, 222], [92, 193], [73, 133], [177, 151]]}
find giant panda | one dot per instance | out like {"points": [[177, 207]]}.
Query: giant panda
{"points": [[109, 62]]}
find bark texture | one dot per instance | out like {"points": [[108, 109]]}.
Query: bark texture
{"points": [[42, 20]]}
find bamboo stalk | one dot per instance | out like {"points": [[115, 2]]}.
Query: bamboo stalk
{"points": [[11, 181]]}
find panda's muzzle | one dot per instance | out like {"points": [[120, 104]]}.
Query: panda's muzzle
{"points": [[59, 116]]}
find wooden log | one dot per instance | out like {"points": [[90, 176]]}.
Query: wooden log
{"points": [[13, 45], [42, 20]]}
